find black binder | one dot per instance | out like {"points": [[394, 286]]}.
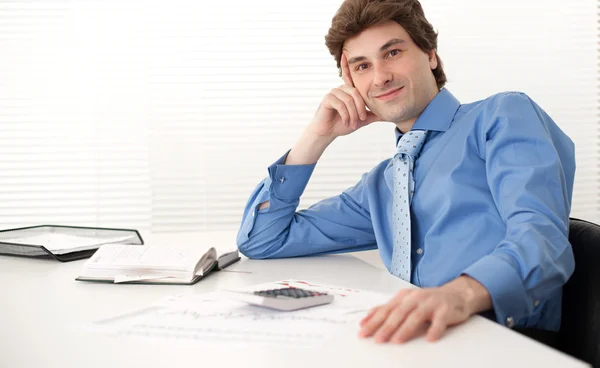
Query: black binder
{"points": [[14, 242]]}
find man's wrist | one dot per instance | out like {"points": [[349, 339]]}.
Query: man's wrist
{"points": [[323, 140], [475, 296], [308, 149]]}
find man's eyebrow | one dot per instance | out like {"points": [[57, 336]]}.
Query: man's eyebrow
{"points": [[356, 59], [387, 45], [390, 43]]}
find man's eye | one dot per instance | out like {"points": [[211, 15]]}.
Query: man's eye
{"points": [[362, 67], [394, 52]]}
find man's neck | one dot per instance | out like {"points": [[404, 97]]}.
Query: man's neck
{"points": [[406, 126]]}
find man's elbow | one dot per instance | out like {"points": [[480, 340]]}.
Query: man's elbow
{"points": [[566, 263], [252, 253], [253, 248]]}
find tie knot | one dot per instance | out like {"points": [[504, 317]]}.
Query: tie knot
{"points": [[411, 143]]}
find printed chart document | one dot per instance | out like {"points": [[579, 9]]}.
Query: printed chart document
{"points": [[214, 318]]}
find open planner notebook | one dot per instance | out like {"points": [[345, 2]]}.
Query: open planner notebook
{"points": [[155, 264]]}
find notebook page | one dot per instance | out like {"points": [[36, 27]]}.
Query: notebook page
{"points": [[165, 257]]}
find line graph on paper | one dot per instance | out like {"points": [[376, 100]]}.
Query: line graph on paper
{"points": [[190, 317], [249, 313], [213, 318], [228, 334]]}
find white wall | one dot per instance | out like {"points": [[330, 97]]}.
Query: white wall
{"points": [[163, 115]]}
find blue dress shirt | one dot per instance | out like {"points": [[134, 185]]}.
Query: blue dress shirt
{"points": [[492, 200]]}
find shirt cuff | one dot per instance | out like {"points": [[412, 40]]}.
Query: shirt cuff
{"points": [[284, 184], [505, 286], [288, 182]]}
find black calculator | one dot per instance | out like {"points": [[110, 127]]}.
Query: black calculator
{"points": [[284, 299]]}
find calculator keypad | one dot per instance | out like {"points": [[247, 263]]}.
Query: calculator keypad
{"points": [[283, 299], [288, 292]]}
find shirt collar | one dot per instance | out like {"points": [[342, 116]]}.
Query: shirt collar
{"points": [[438, 115]]}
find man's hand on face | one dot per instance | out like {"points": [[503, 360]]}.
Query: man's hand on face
{"points": [[412, 312], [342, 110]]}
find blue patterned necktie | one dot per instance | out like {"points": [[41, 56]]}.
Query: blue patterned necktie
{"points": [[408, 150]]}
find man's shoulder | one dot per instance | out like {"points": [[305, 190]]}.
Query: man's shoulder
{"points": [[483, 113], [499, 100]]}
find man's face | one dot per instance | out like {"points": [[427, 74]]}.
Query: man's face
{"points": [[391, 73]]}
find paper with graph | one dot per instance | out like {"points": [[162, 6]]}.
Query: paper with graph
{"points": [[213, 318]]}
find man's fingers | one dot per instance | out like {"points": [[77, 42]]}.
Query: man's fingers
{"points": [[373, 323], [371, 118], [401, 304], [368, 316], [358, 101], [412, 313], [413, 323], [437, 328], [444, 317], [346, 71], [350, 106], [366, 116], [341, 109], [391, 324]]}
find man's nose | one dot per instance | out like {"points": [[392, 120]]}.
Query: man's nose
{"points": [[382, 76]]}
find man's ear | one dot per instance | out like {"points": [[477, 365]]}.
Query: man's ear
{"points": [[433, 61]]}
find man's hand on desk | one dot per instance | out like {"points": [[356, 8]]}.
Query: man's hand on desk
{"points": [[411, 311]]}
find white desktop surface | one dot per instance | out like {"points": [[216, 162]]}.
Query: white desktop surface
{"points": [[43, 308]]}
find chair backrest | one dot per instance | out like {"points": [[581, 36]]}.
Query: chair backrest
{"points": [[580, 326]]}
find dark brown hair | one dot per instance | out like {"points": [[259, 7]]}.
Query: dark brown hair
{"points": [[354, 16]]}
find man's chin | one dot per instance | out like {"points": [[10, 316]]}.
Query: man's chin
{"points": [[390, 112], [394, 118]]}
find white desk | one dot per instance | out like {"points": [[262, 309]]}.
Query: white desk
{"points": [[43, 306]]}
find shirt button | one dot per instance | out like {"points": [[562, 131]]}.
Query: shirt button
{"points": [[536, 303], [420, 251], [510, 322], [282, 180]]}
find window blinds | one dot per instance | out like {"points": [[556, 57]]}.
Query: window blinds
{"points": [[163, 116]]}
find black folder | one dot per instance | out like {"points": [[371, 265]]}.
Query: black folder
{"points": [[43, 241]]}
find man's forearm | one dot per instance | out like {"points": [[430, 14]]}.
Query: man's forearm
{"points": [[477, 298], [308, 149]]}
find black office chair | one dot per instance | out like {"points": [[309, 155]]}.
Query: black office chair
{"points": [[579, 335]]}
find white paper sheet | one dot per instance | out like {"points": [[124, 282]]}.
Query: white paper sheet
{"points": [[63, 243], [165, 257], [212, 318]]}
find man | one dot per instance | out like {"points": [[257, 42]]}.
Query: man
{"points": [[473, 208]]}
